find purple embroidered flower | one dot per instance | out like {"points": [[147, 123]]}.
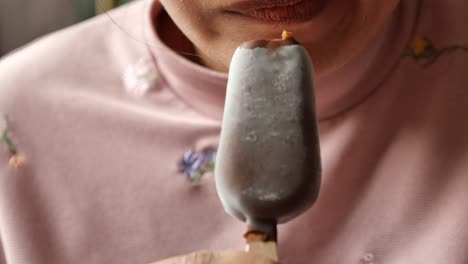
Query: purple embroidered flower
{"points": [[195, 165], [190, 163], [209, 154]]}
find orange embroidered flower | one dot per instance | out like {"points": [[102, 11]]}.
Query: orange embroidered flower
{"points": [[422, 51], [17, 161], [420, 45]]}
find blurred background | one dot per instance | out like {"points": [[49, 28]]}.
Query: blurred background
{"points": [[21, 21]]}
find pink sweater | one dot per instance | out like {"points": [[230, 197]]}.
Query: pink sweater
{"points": [[101, 182]]}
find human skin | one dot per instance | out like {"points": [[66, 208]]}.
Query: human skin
{"points": [[333, 31]]}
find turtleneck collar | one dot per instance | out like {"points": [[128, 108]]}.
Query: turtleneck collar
{"points": [[205, 89]]}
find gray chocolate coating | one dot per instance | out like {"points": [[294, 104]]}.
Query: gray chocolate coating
{"points": [[269, 44], [268, 162]]}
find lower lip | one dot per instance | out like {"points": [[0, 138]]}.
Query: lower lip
{"points": [[299, 12]]}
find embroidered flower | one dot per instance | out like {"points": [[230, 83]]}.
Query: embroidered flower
{"points": [[196, 165], [422, 50], [190, 163], [140, 77], [16, 160], [209, 154], [421, 45]]}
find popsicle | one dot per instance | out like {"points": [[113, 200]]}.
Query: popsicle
{"points": [[268, 166]]}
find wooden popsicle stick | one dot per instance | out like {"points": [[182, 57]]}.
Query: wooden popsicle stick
{"points": [[256, 243]]}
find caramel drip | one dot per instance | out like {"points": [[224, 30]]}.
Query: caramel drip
{"points": [[286, 35]]}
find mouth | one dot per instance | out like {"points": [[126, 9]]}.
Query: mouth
{"points": [[277, 11]]}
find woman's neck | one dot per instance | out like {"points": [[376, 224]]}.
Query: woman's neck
{"points": [[171, 35]]}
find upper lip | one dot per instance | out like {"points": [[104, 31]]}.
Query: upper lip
{"points": [[249, 5]]}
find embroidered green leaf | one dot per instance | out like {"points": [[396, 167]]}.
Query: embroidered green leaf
{"points": [[202, 172], [6, 137], [211, 167], [422, 50]]}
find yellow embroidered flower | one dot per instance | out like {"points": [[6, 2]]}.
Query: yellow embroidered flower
{"points": [[420, 45], [17, 161]]}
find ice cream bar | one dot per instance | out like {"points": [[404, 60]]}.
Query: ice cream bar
{"points": [[268, 162]]}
